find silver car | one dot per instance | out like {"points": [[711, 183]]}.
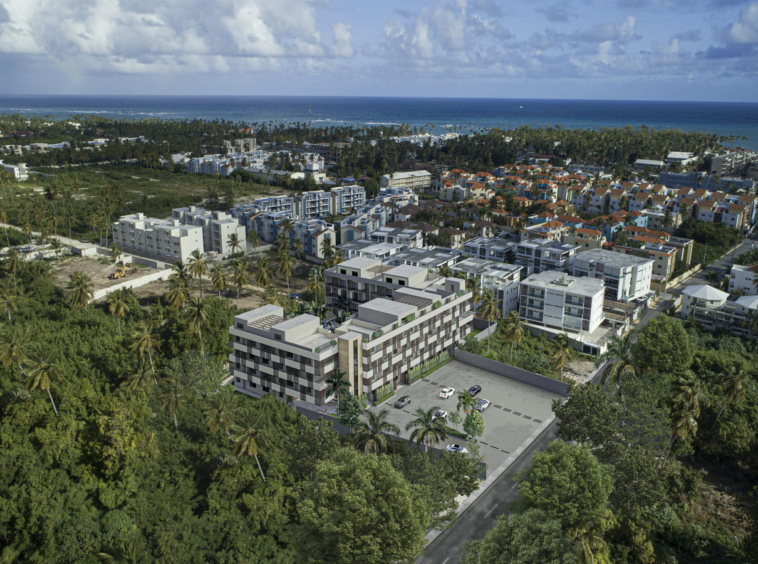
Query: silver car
{"points": [[482, 404]]}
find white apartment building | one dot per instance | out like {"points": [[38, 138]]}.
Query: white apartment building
{"points": [[489, 248], [416, 180], [539, 255], [217, 227], [743, 278], [502, 279], [347, 198], [369, 249], [406, 237], [17, 171], [165, 238], [626, 277], [376, 346], [558, 303], [313, 205]]}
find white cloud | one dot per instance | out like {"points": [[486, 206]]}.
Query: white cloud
{"points": [[343, 40], [744, 30]]}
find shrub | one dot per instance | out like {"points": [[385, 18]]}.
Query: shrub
{"points": [[436, 305], [333, 342], [410, 318]]}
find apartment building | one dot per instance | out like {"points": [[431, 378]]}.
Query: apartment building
{"points": [[431, 258], [415, 180], [406, 237], [585, 238], [312, 233], [663, 255], [489, 248], [714, 212], [538, 255], [626, 277], [217, 227], [378, 345], [18, 172], [742, 278], [502, 279], [313, 205], [167, 239], [733, 160], [263, 205], [345, 199], [558, 303]]}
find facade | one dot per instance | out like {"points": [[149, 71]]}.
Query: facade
{"points": [[262, 205], [563, 303], [737, 316], [313, 205], [626, 277], [165, 238], [743, 278], [502, 279], [217, 227], [366, 248], [378, 345], [537, 256], [312, 233], [268, 225], [347, 198], [416, 180], [19, 171], [585, 238]]}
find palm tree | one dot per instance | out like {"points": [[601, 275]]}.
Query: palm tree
{"points": [[286, 267], [218, 279], [619, 353], [426, 429], [42, 370], [198, 267], [179, 271], [683, 424], [466, 402], [282, 242], [57, 247], [254, 239], [173, 398], [197, 315], [128, 551], [686, 394], [262, 272], [342, 304], [177, 294], [472, 285], [512, 330], [315, 282], [234, 242], [489, 309], [117, 305], [735, 384], [8, 299], [287, 226], [79, 292], [271, 296], [239, 276], [13, 263], [140, 377], [327, 249], [371, 435], [4, 221], [246, 436], [562, 352], [338, 386], [15, 344], [297, 248], [445, 271], [143, 339], [220, 411]]}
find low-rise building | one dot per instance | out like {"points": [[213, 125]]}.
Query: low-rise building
{"points": [[313, 205], [164, 238], [415, 180], [18, 172], [406, 237], [626, 277], [702, 297], [585, 238], [345, 199], [538, 255], [431, 258], [367, 248], [743, 278], [312, 233], [491, 249]]}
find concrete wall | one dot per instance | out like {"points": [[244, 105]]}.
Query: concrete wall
{"points": [[133, 283], [531, 378]]}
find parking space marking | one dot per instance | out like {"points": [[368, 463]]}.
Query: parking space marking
{"points": [[506, 409], [498, 406], [482, 442], [537, 420], [493, 446], [527, 417], [505, 451]]}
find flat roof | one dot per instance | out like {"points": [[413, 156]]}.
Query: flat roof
{"points": [[610, 258], [430, 257], [294, 322], [387, 306], [486, 267], [358, 262], [406, 270], [552, 279]]}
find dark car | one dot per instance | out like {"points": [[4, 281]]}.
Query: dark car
{"points": [[294, 296], [402, 402], [473, 390]]}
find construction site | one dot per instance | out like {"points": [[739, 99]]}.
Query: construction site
{"points": [[104, 275]]}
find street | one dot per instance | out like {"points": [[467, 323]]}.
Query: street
{"points": [[720, 265]]}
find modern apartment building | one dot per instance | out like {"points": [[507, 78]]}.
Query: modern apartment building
{"points": [[263, 205], [560, 303], [217, 227], [347, 198], [663, 254], [312, 233], [743, 278], [376, 346], [268, 225], [369, 249], [310, 205], [18, 172], [503, 279], [540, 255], [585, 238], [491, 249], [406, 237], [431, 258], [167, 239], [626, 277], [416, 180]]}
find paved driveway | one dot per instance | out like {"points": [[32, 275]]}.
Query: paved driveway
{"points": [[516, 411]]}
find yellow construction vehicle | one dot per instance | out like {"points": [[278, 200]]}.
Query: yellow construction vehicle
{"points": [[120, 271]]}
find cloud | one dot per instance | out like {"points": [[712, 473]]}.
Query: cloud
{"points": [[147, 36], [487, 7], [607, 31], [745, 30], [343, 40], [690, 35], [557, 13]]}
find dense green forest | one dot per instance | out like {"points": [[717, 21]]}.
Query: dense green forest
{"points": [[118, 441], [659, 465]]}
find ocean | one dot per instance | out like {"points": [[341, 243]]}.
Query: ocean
{"points": [[467, 114]]}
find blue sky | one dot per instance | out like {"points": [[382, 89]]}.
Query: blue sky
{"points": [[609, 49]]}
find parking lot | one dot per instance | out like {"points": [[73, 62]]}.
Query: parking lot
{"points": [[516, 411]]}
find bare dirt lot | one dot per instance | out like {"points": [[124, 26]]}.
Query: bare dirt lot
{"points": [[98, 272]]}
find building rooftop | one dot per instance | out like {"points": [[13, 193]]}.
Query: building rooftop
{"points": [[358, 262], [749, 302], [705, 292], [612, 259], [431, 257], [479, 267], [552, 279]]}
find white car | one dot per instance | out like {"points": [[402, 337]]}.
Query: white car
{"points": [[482, 404], [457, 448], [447, 393], [439, 415]]}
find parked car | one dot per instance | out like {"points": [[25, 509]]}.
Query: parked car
{"points": [[457, 448], [84, 240], [294, 296], [482, 404], [473, 390], [439, 415], [402, 402], [447, 393]]}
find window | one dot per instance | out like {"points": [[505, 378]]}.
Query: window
{"points": [[278, 337], [308, 361]]}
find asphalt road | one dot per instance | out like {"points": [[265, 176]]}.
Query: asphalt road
{"points": [[721, 265]]}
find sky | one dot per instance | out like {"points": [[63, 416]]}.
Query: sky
{"points": [[586, 49]]}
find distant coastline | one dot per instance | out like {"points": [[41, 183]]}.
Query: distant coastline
{"points": [[478, 114]]}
